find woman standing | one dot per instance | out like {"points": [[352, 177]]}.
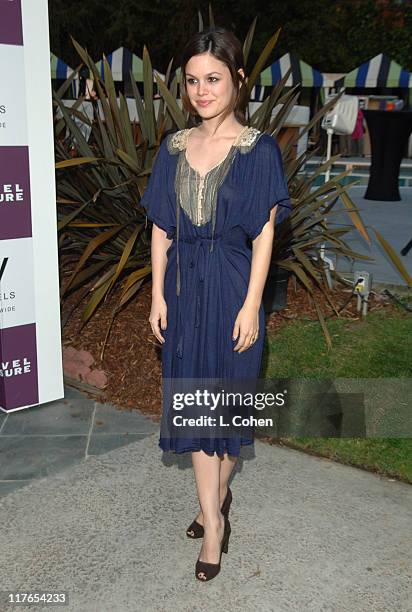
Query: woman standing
{"points": [[213, 195]]}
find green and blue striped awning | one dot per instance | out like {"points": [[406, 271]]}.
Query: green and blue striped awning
{"points": [[301, 73], [121, 62], [380, 71], [59, 69]]}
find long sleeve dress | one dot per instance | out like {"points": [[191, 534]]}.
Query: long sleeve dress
{"points": [[212, 220]]}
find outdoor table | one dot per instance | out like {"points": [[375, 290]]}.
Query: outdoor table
{"points": [[389, 133]]}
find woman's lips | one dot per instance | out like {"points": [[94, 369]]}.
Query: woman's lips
{"points": [[205, 103]]}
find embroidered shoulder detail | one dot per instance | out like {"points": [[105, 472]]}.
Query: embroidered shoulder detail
{"points": [[177, 142], [248, 138]]}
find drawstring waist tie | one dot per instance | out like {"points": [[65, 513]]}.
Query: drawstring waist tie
{"points": [[193, 300]]}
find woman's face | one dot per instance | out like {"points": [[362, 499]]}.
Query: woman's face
{"points": [[208, 84]]}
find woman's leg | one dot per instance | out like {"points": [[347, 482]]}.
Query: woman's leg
{"points": [[207, 474], [226, 467]]}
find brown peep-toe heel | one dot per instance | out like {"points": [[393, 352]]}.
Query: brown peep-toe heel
{"points": [[206, 571]]}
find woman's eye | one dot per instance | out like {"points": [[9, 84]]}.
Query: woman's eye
{"points": [[191, 81]]}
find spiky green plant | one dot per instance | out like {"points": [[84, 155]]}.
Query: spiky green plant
{"points": [[101, 224]]}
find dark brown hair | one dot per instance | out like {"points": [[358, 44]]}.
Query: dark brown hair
{"points": [[226, 47]]}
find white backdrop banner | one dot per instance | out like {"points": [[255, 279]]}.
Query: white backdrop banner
{"points": [[31, 370]]}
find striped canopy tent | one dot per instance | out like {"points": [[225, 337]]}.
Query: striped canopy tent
{"points": [[59, 69], [301, 73], [121, 62], [380, 71]]}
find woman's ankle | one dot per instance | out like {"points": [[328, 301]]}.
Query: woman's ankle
{"points": [[213, 522]]}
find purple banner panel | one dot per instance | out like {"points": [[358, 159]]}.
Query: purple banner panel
{"points": [[18, 367], [15, 210], [11, 30]]}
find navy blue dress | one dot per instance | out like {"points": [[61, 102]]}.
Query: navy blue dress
{"points": [[213, 283]]}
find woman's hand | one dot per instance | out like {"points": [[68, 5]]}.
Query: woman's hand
{"points": [[246, 327], [158, 312]]}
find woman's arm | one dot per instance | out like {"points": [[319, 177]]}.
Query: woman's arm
{"points": [[159, 246], [247, 321]]}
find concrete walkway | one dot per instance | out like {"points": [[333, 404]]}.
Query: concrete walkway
{"points": [[109, 528], [43, 440]]}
